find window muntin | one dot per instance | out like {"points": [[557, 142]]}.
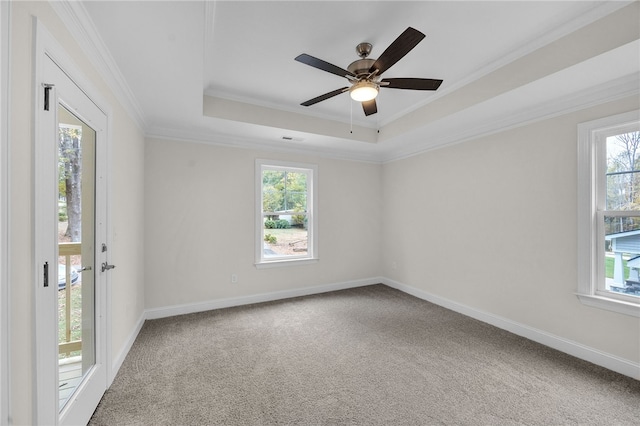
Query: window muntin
{"points": [[285, 219], [609, 213]]}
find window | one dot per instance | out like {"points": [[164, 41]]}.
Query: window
{"points": [[286, 220], [609, 213]]}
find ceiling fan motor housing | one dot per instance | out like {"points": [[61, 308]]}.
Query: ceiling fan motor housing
{"points": [[361, 67]]}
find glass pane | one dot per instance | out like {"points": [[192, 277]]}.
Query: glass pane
{"points": [[273, 183], [296, 192], [285, 235], [284, 191], [623, 172], [617, 225], [76, 242], [622, 256]]}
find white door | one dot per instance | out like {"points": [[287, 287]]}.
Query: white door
{"points": [[71, 229]]}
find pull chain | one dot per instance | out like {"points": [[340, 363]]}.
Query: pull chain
{"points": [[351, 121]]}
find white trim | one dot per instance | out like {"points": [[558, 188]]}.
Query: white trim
{"points": [[5, 95], [378, 154], [545, 37], [44, 341], [272, 146], [607, 92], [50, 60], [190, 308], [285, 262], [119, 359], [595, 356], [610, 304], [590, 233], [78, 22]]}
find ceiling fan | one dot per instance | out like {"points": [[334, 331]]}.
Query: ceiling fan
{"points": [[364, 73]]}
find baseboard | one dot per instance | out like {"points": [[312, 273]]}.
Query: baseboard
{"points": [[117, 362], [190, 308], [603, 359]]}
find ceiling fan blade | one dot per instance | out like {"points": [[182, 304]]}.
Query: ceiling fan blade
{"points": [[411, 83], [324, 97], [369, 107], [396, 51], [323, 65]]}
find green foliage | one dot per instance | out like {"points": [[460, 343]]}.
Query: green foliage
{"points": [[299, 220], [282, 224], [277, 224], [609, 263], [284, 191], [270, 239], [62, 212]]}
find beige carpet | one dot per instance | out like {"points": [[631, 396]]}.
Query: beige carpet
{"points": [[365, 356]]}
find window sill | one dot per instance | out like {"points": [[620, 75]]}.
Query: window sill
{"points": [[285, 262], [609, 304]]}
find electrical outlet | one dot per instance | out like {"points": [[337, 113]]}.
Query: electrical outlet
{"points": [[234, 278]]}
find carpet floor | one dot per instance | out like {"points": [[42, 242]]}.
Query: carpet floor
{"points": [[365, 356]]}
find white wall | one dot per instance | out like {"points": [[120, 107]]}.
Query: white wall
{"points": [[491, 225], [199, 202], [126, 205]]}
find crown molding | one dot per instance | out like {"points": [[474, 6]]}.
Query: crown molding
{"points": [[229, 141], [78, 22], [611, 91], [82, 29], [620, 88], [545, 38]]}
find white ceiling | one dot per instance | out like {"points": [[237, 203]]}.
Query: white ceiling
{"points": [[167, 56]]}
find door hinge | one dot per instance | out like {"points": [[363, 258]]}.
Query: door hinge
{"points": [[47, 89], [45, 275]]}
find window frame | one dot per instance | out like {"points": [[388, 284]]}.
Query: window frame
{"points": [[311, 214], [592, 159]]}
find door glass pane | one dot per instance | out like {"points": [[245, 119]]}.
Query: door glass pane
{"points": [[76, 249]]}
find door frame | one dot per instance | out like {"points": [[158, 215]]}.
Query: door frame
{"points": [[46, 410], [5, 13]]}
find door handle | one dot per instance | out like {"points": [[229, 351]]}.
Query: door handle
{"points": [[106, 266], [84, 268]]}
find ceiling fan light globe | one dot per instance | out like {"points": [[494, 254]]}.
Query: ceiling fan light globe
{"points": [[363, 91]]}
